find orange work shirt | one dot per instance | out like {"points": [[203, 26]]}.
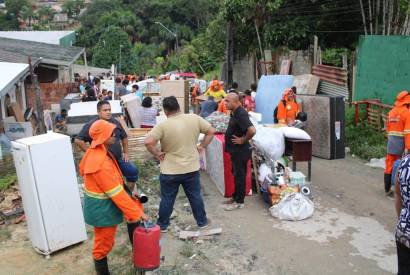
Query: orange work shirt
{"points": [[287, 114]]}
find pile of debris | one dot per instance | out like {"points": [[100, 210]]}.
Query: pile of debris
{"points": [[11, 208]]}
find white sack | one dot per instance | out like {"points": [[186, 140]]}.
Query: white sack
{"points": [[270, 142], [264, 171], [293, 207], [296, 133]]}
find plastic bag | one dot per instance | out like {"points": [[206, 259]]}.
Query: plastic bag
{"points": [[5, 144], [270, 142], [292, 132], [264, 171], [293, 207]]}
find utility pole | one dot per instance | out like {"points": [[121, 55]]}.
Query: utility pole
{"points": [[39, 105], [229, 53], [119, 65]]}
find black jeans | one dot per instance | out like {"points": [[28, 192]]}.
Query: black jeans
{"points": [[239, 170], [403, 257]]}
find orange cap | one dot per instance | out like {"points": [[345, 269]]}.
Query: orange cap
{"points": [[402, 98], [100, 131]]}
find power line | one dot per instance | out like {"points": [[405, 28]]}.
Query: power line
{"points": [[346, 31]]}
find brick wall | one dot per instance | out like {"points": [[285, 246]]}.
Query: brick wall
{"points": [[51, 93]]}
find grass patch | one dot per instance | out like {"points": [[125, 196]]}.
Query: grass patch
{"points": [[187, 249], [7, 180], [363, 141]]}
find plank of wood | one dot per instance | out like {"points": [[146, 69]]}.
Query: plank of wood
{"points": [[18, 113], [255, 171], [200, 233]]}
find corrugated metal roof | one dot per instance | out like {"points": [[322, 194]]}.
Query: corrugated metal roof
{"points": [[49, 37], [50, 54], [329, 88], [6, 56]]}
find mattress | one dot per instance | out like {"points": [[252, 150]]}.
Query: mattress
{"points": [[269, 92], [218, 167], [325, 124]]}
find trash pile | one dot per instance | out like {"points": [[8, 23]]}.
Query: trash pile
{"points": [[11, 208], [283, 189]]}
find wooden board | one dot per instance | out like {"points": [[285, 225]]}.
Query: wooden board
{"points": [[306, 84], [18, 113], [201, 233], [285, 67]]}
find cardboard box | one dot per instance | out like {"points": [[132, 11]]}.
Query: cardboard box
{"points": [[177, 88], [17, 130], [183, 104]]}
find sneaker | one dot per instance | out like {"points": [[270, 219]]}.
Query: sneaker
{"points": [[164, 230], [390, 194], [206, 225], [230, 201], [234, 206]]}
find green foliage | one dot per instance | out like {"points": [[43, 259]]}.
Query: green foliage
{"points": [[7, 180], [145, 58], [14, 6], [8, 22], [45, 13], [363, 141], [113, 43], [334, 56], [73, 7]]}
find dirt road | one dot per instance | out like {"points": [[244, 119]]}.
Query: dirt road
{"points": [[351, 232]]}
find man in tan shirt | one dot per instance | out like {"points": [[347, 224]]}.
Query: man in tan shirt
{"points": [[179, 158]]}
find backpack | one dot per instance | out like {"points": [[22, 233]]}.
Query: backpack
{"points": [[275, 112]]}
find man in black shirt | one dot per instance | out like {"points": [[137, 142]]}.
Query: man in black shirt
{"points": [[240, 131], [128, 169]]}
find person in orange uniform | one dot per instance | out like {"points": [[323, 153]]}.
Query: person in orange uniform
{"points": [[287, 108], [398, 135], [216, 90], [106, 198]]}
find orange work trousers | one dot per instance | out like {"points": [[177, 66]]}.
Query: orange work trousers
{"points": [[390, 159], [104, 238]]}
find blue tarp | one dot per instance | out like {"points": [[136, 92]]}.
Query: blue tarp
{"points": [[269, 93]]}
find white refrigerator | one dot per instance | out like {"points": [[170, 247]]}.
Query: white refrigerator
{"points": [[50, 192]]}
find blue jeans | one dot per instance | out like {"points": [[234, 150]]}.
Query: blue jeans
{"points": [[129, 170], [169, 190]]}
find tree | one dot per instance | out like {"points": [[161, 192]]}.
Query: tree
{"points": [[15, 6], [27, 13], [387, 17], [73, 7], [45, 13], [113, 47]]}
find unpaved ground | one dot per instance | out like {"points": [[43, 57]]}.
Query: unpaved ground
{"points": [[351, 232]]}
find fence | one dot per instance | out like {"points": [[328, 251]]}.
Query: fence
{"points": [[376, 113]]}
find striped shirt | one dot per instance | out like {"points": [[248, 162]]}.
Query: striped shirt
{"points": [[149, 116]]}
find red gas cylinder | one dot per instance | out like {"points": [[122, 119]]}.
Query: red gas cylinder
{"points": [[147, 250]]}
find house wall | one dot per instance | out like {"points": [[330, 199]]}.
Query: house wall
{"points": [[51, 93]]}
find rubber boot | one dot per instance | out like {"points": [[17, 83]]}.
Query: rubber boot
{"points": [[387, 182], [101, 266], [131, 227]]}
